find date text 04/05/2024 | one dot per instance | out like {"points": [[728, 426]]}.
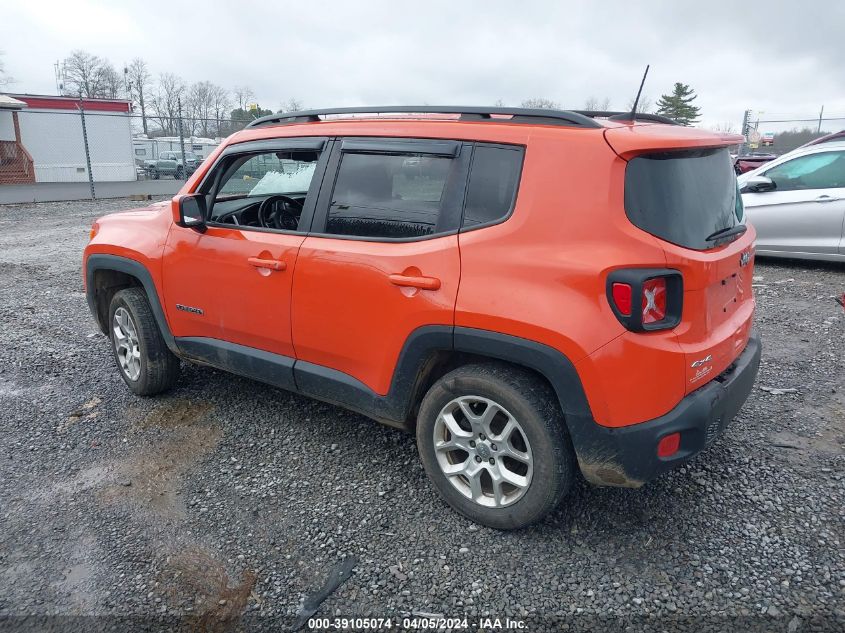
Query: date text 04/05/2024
{"points": [[429, 623]]}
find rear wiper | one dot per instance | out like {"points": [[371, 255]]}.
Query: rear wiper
{"points": [[731, 231]]}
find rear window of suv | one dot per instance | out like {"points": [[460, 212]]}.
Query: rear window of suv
{"points": [[388, 195], [683, 196]]}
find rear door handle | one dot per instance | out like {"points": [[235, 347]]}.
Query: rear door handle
{"points": [[271, 264], [424, 283], [826, 198]]}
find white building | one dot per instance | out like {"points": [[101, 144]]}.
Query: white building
{"points": [[48, 130]]}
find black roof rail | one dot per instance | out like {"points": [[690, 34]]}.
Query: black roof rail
{"points": [[626, 116], [534, 116]]}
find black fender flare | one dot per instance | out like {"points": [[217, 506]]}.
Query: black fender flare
{"points": [[547, 361], [99, 261], [425, 343]]}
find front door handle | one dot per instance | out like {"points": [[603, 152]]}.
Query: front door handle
{"points": [[270, 264], [826, 198], [424, 283]]}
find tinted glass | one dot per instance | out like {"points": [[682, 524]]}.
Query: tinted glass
{"points": [[378, 195], [492, 184], [682, 197], [825, 170], [287, 173]]}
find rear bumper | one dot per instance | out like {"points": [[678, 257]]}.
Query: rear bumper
{"points": [[627, 456]]}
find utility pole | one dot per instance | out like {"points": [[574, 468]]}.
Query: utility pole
{"points": [[745, 119], [59, 71], [87, 152], [821, 114], [182, 138]]}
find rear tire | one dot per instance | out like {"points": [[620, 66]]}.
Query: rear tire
{"points": [[507, 423], [180, 173], [143, 359]]}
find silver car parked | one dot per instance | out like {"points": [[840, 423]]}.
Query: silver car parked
{"points": [[797, 203]]}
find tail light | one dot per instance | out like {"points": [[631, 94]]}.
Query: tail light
{"points": [[654, 300], [657, 293], [622, 298]]}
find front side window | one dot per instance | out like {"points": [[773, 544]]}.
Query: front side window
{"points": [[388, 195], [825, 170], [266, 189], [270, 173]]}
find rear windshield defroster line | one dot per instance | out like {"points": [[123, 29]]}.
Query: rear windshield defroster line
{"points": [[683, 196]]}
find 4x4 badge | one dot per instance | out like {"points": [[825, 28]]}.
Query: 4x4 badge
{"points": [[744, 258], [704, 360]]}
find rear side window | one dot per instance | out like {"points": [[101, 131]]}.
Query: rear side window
{"points": [[388, 195], [493, 181], [683, 196]]}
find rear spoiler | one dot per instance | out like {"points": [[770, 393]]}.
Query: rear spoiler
{"points": [[626, 116], [628, 141]]}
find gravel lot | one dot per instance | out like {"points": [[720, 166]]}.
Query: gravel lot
{"points": [[228, 499]]}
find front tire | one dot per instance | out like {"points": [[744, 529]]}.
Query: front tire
{"points": [[143, 359], [494, 443]]}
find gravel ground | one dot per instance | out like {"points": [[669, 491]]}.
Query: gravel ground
{"points": [[228, 499]]}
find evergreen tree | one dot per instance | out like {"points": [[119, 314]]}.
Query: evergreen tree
{"points": [[678, 105]]}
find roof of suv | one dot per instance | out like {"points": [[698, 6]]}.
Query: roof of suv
{"points": [[499, 125], [530, 116]]}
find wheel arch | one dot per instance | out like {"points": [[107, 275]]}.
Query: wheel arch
{"points": [[105, 275], [426, 358]]}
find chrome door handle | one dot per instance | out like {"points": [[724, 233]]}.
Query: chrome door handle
{"points": [[827, 198]]}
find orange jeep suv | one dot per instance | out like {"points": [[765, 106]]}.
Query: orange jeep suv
{"points": [[533, 293]]}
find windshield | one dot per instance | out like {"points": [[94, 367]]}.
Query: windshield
{"points": [[683, 196]]}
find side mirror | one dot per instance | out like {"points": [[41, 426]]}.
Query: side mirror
{"points": [[758, 184], [190, 211]]}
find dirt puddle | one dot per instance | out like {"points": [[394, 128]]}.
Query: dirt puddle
{"points": [[152, 476], [194, 577]]}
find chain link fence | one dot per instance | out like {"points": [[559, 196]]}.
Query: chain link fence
{"points": [[777, 134], [91, 146], [78, 145]]}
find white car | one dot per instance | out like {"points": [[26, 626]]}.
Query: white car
{"points": [[797, 203]]}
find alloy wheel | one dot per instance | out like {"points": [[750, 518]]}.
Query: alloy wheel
{"points": [[483, 451], [127, 348]]}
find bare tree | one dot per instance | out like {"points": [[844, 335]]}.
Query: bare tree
{"points": [[112, 83], [291, 105], [599, 105], [725, 127], [198, 104], [499, 103], [221, 103], [139, 83], [165, 102], [4, 78], [243, 97], [541, 102], [87, 75], [645, 104], [206, 103]]}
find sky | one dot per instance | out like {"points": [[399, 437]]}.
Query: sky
{"points": [[781, 59]]}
